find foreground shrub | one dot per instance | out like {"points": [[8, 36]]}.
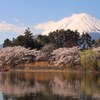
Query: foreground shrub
{"points": [[45, 53], [89, 60], [15, 55], [65, 56]]}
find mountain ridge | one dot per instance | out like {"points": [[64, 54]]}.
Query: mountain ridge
{"points": [[81, 22]]}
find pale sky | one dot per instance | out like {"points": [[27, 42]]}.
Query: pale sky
{"points": [[16, 15]]}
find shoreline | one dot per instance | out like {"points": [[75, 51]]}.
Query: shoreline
{"points": [[48, 69], [44, 66], [62, 71]]}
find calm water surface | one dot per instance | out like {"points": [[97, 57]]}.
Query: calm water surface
{"points": [[49, 86]]}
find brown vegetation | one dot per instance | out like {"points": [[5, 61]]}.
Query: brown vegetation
{"points": [[38, 64]]}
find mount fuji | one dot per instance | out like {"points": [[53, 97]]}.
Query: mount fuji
{"points": [[81, 22]]}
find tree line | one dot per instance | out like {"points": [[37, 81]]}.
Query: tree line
{"points": [[59, 38]]}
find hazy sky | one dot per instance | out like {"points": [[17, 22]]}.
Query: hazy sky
{"points": [[16, 15]]}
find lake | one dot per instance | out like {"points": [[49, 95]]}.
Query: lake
{"points": [[49, 86]]}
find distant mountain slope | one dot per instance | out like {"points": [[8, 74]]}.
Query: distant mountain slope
{"points": [[82, 22], [1, 46]]}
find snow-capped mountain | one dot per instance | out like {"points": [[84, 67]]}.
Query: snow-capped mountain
{"points": [[82, 22]]}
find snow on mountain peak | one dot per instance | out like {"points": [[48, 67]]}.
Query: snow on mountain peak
{"points": [[80, 15], [82, 22]]}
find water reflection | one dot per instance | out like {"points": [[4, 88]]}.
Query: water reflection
{"points": [[49, 86]]}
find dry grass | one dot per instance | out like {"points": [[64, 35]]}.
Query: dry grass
{"points": [[39, 64]]}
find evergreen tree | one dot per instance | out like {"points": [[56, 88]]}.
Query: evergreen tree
{"points": [[7, 42], [28, 39], [62, 38], [42, 39], [86, 41]]}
